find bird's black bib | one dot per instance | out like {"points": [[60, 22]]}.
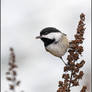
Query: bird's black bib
{"points": [[47, 41]]}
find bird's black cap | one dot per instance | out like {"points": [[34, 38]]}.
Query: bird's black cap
{"points": [[48, 30]]}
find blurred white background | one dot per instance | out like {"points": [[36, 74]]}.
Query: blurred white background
{"points": [[21, 22]]}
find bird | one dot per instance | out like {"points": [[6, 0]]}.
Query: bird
{"points": [[55, 41]]}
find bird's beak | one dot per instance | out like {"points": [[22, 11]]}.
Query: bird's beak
{"points": [[38, 37]]}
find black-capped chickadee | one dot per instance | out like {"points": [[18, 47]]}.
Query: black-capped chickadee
{"points": [[55, 41]]}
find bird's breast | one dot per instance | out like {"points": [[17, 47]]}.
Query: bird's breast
{"points": [[58, 49]]}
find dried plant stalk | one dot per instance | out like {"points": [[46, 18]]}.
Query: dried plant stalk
{"points": [[11, 74], [72, 73]]}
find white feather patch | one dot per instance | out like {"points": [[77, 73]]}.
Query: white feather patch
{"points": [[56, 36]]}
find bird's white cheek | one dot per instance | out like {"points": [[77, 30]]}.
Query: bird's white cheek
{"points": [[55, 36], [48, 36]]}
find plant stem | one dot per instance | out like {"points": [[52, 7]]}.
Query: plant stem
{"points": [[70, 80], [63, 61]]}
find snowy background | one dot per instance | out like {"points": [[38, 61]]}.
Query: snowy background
{"points": [[21, 22]]}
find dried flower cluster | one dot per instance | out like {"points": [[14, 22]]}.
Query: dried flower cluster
{"points": [[83, 89], [72, 73], [12, 73]]}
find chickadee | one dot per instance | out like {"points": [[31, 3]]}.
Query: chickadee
{"points": [[54, 41]]}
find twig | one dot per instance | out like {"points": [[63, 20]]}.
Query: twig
{"points": [[11, 75]]}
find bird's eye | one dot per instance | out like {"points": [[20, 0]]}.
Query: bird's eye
{"points": [[46, 33]]}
